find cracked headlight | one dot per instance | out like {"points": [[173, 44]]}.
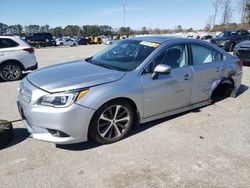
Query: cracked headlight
{"points": [[61, 100]]}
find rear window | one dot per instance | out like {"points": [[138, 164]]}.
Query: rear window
{"points": [[8, 43]]}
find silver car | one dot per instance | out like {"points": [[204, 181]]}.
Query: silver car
{"points": [[131, 82]]}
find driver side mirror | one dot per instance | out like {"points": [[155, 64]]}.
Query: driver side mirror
{"points": [[161, 69]]}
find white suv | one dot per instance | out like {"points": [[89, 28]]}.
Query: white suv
{"points": [[66, 42], [16, 56]]}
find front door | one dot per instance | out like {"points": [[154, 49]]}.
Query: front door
{"points": [[168, 92]]}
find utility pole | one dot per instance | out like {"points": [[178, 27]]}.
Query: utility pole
{"points": [[124, 14]]}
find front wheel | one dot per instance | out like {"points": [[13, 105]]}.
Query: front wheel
{"points": [[112, 122], [11, 72], [231, 48]]}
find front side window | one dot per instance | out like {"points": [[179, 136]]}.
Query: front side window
{"points": [[7, 43], [203, 55], [126, 55], [175, 56]]}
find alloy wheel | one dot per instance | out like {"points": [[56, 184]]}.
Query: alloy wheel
{"points": [[11, 72], [113, 122]]}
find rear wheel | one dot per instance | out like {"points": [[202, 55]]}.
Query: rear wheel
{"points": [[112, 122], [223, 90], [11, 71]]}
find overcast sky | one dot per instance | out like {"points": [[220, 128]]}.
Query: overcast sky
{"points": [[139, 13]]}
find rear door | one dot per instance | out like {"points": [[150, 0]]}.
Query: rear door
{"points": [[168, 92], [209, 67]]}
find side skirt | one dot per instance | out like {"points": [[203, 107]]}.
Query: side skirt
{"points": [[177, 111]]}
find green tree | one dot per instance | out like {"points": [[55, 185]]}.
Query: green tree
{"points": [[57, 31], [125, 31], [144, 30]]}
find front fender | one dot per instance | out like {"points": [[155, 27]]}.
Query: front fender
{"points": [[99, 95]]}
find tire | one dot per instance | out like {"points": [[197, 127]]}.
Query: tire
{"points": [[11, 71], [61, 44], [105, 129], [6, 133], [231, 48], [222, 91]]}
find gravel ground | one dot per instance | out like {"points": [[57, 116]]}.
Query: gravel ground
{"points": [[207, 147]]}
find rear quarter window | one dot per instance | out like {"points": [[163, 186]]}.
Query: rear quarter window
{"points": [[8, 43], [203, 54]]}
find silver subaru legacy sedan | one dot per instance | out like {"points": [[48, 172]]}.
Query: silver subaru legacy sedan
{"points": [[131, 82]]}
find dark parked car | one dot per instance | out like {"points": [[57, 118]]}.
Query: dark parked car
{"points": [[207, 37], [41, 39], [228, 39], [242, 50], [82, 41]]}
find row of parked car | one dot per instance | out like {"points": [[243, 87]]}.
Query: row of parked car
{"points": [[236, 41], [46, 39]]}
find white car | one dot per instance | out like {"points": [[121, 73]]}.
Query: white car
{"points": [[16, 56], [66, 42]]}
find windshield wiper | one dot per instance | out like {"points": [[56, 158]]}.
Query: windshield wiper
{"points": [[110, 67], [89, 60], [106, 66]]}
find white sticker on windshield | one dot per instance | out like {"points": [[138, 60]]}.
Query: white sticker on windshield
{"points": [[150, 44]]}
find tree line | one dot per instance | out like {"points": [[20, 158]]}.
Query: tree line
{"points": [[85, 30], [225, 10]]}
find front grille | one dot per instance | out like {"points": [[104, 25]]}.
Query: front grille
{"points": [[243, 54]]}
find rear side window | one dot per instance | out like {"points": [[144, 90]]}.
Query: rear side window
{"points": [[244, 32], [203, 55], [7, 43]]}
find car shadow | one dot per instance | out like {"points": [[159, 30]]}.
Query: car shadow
{"points": [[20, 134], [143, 127], [90, 144], [243, 88]]}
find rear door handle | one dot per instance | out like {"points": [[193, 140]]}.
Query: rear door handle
{"points": [[219, 69], [187, 77], [1, 54]]}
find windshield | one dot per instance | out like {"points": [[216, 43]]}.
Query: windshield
{"points": [[227, 34], [125, 55]]}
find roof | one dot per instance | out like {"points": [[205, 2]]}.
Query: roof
{"points": [[158, 39]]}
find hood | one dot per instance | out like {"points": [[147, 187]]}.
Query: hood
{"points": [[72, 75], [244, 44]]}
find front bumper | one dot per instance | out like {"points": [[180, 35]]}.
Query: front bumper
{"points": [[57, 125], [243, 53]]}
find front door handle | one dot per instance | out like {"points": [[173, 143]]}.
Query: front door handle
{"points": [[1, 54], [219, 69], [187, 77]]}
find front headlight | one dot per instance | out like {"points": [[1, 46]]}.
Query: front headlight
{"points": [[61, 100]]}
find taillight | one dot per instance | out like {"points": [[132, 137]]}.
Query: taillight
{"points": [[240, 63], [30, 50]]}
